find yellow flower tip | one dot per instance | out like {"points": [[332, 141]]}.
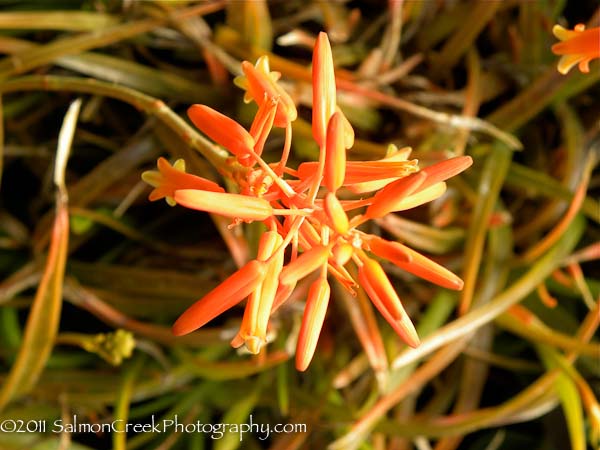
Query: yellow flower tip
{"points": [[335, 155], [576, 47], [324, 90], [226, 295], [306, 263], [152, 177], [348, 130], [391, 197], [225, 204], [221, 129], [336, 215], [444, 170], [261, 85], [381, 292], [312, 322], [253, 344]]}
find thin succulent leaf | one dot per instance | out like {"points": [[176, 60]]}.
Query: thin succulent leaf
{"points": [[44, 316], [238, 413], [57, 20], [45, 54], [569, 398], [515, 292], [234, 370], [149, 105], [122, 404], [489, 186], [536, 181]]}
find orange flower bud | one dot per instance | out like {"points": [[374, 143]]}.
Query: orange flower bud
{"points": [[225, 204], [335, 213], [381, 292], [421, 197], [389, 198], [221, 129], [392, 251], [262, 123], [324, 91], [312, 322], [342, 252], [415, 263], [226, 295], [443, 170], [253, 330], [348, 131], [306, 263], [284, 291], [335, 156]]}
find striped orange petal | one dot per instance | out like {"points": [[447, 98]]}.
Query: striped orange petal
{"points": [[415, 263], [237, 206], [335, 213], [258, 309], [307, 262], [312, 322], [381, 292], [443, 170], [389, 198], [335, 156], [324, 91], [223, 130]]}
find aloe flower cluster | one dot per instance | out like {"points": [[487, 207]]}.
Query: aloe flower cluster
{"points": [[310, 231]]}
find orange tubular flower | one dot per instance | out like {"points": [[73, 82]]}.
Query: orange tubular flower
{"points": [[253, 330], [221, 129], [226, 295], [312, 322], [336, 214], [335, 156], [306, 263], [324, 92], [415, 263], [577, 46], [260, 85], [371, 175], [379, 289], [229, 205], [169, 178], [390, 197]]}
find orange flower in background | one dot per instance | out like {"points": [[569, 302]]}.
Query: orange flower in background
{"points": [[303, 212], [577, 46], [169, 178]]}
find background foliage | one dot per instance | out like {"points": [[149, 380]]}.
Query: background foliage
{"points": [[445, 77]]}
